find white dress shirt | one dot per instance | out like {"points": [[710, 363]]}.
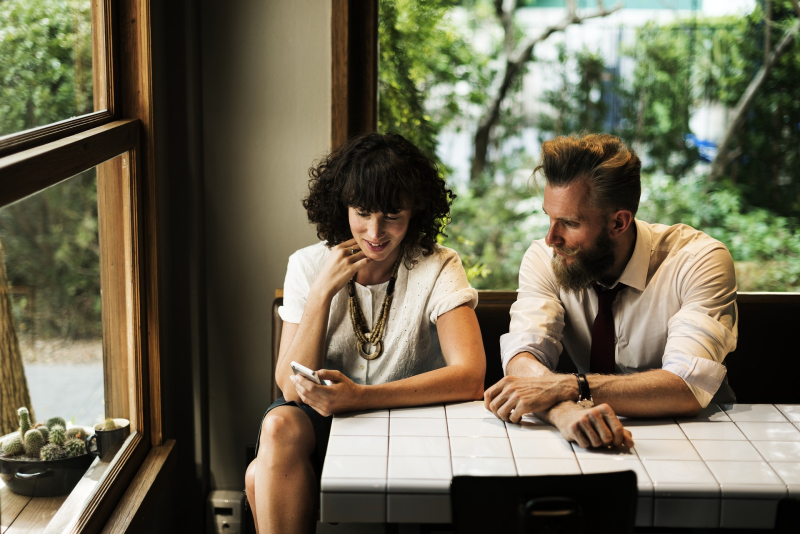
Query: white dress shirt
{"points": [[678, 313], [434, 286]]}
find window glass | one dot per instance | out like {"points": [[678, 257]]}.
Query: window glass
{"points": [[51, 341], [45, 62], [664, 76]]}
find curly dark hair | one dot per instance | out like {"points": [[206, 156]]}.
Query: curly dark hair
{"points": [[379, 173]]}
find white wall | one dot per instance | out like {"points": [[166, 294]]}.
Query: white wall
{"points": [[266, 118]]}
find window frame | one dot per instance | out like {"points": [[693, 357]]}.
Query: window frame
{"points": [[103, 85], [33, 160]]}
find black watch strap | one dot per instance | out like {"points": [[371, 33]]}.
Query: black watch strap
{"points": [[584, 393]]}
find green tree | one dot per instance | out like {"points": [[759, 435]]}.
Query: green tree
{"points": [[50, 239], [420, 49], [579, 101], [45, 62]]}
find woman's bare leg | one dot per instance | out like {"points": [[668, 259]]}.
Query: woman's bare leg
{"points": [[250, 488], [284, 482]]}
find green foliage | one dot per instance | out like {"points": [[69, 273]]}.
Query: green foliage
{"points": [[34, 441], [52, 245], [45, 62], [765, 247], [659, 106], [491, 232], [420, 49], [681, 65], [578, 103], [768, 167], [50, 239]]}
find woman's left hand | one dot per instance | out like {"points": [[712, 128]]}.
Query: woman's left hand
{"points": [[342, 395]]}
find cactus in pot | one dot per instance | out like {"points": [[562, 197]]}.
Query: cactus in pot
{"points": [[13, 446], [51, 451], [74, 447], [110, 425], [55, 421], [57, 435], [49, 441], [44, 432], [76, 432], [34, 441], [24, 421]]}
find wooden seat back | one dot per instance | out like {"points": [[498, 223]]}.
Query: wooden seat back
{"points": [[763, 369]]}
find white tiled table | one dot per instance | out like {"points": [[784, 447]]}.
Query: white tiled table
{"points": [[727, 467]]}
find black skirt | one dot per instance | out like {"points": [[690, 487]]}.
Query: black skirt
{"points": [[322, 429]]}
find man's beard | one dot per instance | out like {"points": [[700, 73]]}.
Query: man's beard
{"points": [[589, 264]]}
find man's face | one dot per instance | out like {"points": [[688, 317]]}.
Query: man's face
{"points": [[582, 248]]}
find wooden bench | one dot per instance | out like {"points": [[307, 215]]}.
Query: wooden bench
{"points": [[764, 368]]}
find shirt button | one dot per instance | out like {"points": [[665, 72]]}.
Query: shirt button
{"points": [[361, 367]]}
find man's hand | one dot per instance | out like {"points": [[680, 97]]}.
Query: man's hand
{"points": [[342, 395], [590, 427], [514, 396]]}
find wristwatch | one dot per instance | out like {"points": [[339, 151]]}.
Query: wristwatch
{"points": [[584, 393]]}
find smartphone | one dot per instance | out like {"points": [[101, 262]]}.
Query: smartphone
{"points": [[304, 371]]}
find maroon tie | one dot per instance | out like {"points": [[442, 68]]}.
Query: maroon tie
{"points": [[602, 357]]}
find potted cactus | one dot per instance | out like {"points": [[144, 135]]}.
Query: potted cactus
{"points": [[44, 459]]}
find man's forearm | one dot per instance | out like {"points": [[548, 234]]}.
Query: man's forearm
{"points": [[655, 393], [526, 364]]}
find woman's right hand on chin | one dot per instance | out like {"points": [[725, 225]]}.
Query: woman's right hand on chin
{"points": [[342, 264]]}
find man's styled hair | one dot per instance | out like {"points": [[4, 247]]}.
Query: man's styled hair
{"points": [[609, 166], [379, 173]]}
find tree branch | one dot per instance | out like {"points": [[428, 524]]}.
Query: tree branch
{"points": [[724, 156], [796, 8], [514, 64]]}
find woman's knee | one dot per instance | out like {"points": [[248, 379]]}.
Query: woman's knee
{"points": [[250, 478], [287, 428]]}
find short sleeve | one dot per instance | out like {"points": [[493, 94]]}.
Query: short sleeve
{"points": [[451, 287], [300, 274]]}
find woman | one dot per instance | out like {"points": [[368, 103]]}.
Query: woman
{"points": [[382, 311]]}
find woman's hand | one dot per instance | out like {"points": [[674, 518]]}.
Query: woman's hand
{"points": [[343, 395], [342, 264]]}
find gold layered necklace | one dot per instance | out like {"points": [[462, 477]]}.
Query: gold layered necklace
{"points": [[363, 335]]}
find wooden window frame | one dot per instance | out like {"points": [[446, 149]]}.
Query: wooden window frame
{"points": [[33, 160], [102, 13], [119, 191], [354, 68]]}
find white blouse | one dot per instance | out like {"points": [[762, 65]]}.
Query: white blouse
{"points": [[434, 286]]}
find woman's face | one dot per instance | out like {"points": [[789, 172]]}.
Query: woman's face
{"points": [[378, 234]]}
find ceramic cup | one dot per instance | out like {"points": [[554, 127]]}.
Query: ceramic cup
{"points": [[107, 442]]}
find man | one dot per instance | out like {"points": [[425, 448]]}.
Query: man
{"points": [[646, 311]]}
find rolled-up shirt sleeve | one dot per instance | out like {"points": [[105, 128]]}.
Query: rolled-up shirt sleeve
{"points": [[451, 288], [705, 329], [537, 317], [296, 287]]}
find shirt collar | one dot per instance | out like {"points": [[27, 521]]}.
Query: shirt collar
{"points": [[635, 273]]}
